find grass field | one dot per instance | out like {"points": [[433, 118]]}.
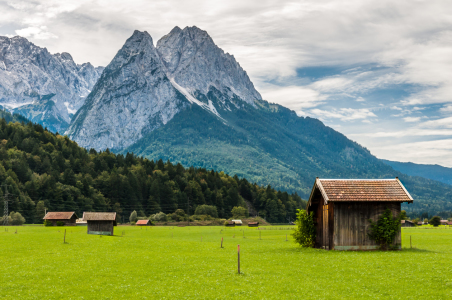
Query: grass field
{"points": [[173, 263]]}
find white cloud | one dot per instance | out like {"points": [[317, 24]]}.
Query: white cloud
{"points": [[411, 119], [293, 97], [344, 114], [426, 152], [37, 33]]}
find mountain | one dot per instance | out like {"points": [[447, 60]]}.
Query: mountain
{"points": [[434, 172], [187, 101], [144, 87], [43, 169], [45, 88]]}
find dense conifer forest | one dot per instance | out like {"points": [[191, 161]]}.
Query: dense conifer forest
{"points": [[40, 169]]}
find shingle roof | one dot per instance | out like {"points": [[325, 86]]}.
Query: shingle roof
{"points": [[348, 190], [99, 216], [142, 222], [59, 215]]}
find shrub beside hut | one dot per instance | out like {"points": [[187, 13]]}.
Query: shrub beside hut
{"points": [[342, 209]]}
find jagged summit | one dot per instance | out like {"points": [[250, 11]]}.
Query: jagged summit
{"points": [[146, 86], [133, 96], [196, 63], [45, 88]]}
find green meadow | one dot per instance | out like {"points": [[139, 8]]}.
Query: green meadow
{"points": [[188, 263]]}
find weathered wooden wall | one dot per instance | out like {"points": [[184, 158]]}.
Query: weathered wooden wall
{"points": [[100, 227], [66, 222], [352, 226]]}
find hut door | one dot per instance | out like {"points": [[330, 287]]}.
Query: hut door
{"points": [[326, 239]]}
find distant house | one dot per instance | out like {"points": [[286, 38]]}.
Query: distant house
{"points": [[407, 223], [449, 223], [420, 223], [229, 224], [101, 223], [143, 223], [253, 224], [444, 222], [237, 222], [342, 209], [67, 217]]}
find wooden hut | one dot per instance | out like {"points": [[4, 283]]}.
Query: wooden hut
{"points": [[253, 224], [342, 209], [237, 222], [407, 223], [101, 223], [67, 217], [143, 223], [229, 224]]}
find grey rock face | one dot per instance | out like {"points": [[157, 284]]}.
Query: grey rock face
{"points": [[145, 86], [133, 96], [194, 62], [31, 77]]}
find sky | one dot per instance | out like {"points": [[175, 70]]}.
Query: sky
{"points": [[379, 72]]}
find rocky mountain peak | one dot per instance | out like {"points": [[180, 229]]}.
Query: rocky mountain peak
{"points": [[197, 64], [45, 88]]}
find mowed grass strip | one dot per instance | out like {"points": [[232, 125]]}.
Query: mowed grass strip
{"points": [[173, 263]]}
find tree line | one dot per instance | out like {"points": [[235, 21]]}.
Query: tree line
{"points": [[42, 171]]}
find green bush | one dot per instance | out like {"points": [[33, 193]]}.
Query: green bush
{"points": [[133, 217], [239, 212], [385, 229], [435, 221], [48, 223], [159, 217], [60, 223], [16, 218], [304, 232], [210, 210]]}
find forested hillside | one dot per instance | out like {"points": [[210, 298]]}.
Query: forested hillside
{"points": [[272, 145], [37, 165]]}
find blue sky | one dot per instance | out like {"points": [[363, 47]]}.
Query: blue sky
{"points": [[378, 71]]}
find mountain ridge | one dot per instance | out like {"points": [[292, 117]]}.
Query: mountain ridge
{"points": [[46, 88]]}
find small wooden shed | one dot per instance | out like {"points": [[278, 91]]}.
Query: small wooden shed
{"points": [[342, 209], [143, 223], [67, 217], [237, 222], [229, 224], [407, 223], [101, 223], [253, 224]]}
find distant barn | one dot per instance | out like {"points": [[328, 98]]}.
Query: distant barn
{"points": [[407, 223], [67, 217], [143, 223], [253, 224], [101, 223], [229, 224], [237, 222], [342, 209]]}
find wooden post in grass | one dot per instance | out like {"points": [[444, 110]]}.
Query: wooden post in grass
{"points": [[243, 233], [238, 257], [16, 230], [410, 242], [286, 237], [221, 243], [64, 240]]}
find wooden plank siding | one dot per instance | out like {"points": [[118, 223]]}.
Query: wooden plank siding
{"points": [[100, 227], [352, 226]]}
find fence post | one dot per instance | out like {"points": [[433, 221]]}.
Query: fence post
{"points": [[238, 257]]}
